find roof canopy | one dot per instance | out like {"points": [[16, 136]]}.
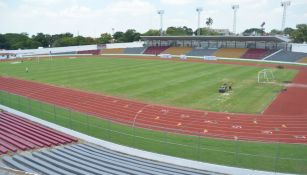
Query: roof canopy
{"points": [[220, 38]]}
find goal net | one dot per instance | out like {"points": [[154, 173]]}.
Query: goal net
{"points": [[266, 76]]}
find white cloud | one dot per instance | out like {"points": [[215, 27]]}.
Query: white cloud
{"points": [[94, 17], [3, 4], [130, 7], [178, 2], [299, 2]]}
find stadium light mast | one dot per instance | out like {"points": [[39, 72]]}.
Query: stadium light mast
{"points": [[285, 5], [198, 10], [235, 9], [161, 13]]}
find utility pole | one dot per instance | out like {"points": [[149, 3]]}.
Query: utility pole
{"points": [[161, 13], [285, 5], [198, 10], [235, 9]]}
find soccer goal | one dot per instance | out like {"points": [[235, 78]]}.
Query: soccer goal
{"points": [[266, 76]]}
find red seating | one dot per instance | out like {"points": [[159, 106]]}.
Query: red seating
{"points": [[156, 50], [19, 134], [256, 53], [92, 52]]}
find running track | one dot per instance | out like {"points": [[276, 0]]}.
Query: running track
{"points": [[284, 121]]}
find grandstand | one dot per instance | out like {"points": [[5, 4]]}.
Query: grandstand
{"points": [[89, 52], [257, 53], [177, 50], [287, 56], [18, 134], [303, 60], [113, 51], [134, 50], [230, 52], [90, 159], [155, 50], [201, 52]]}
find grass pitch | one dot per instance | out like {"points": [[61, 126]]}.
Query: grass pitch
{"points": [[182, 84]]}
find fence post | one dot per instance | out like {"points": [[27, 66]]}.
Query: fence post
{"points": [[109, 129], [236, 151], [198, 146], [88, 125], [29, 107], [277, 156], [54, 114], [10, 100], [1, 97], [70, 120], [1, 102], [166, 141], [133, 136], [19, 106]]}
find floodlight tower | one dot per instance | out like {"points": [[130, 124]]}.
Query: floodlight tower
{"points": [[235, 9], [285, 5], [198, 10], [161, 13]]}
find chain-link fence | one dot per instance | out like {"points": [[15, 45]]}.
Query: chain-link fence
{"points": [[275, 157]]}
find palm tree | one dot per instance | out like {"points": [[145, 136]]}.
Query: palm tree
{"points": [[209, 22]]}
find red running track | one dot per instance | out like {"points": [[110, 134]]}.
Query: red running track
{"points": [[19, 134], [294, 100], [277, 124]]}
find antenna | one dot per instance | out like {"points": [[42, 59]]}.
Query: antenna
{"points": [[285, 5], [199, 10], [161, 13], [235, 9]]}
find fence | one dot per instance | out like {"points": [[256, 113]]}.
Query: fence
{"points": [[276, 157]]}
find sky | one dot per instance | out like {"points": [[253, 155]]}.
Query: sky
{"points": [[93, 17]]}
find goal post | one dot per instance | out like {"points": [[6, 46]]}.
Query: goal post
{"points": [[266, 76]]}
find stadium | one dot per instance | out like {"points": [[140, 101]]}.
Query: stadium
{"points": [[165, 104]]}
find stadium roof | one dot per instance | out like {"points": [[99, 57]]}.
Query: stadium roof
{"points": [[220, 38]]}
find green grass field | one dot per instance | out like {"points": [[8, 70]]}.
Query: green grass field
{"points": [[182, 84], [291, 158]]}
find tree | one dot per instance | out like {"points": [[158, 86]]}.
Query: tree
{"points": [[131, 35], [209, 22], [3, 42], [118, 36], [104, 38], [56, 37], [19, 41], [253, 31], [44, 39], [300, 34], [152, 32], [65, 41], [206, 32], [288, 31], [276, 32], [179, 31]]}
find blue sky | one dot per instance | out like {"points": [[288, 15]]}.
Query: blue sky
{"points": [[93, 17]]}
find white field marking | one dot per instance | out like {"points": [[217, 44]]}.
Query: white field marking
{"points": [[289, 84], [184, 116], [236, 126], [267, 132], [16, 62], [210, 122], [164, 111], [300, 137]]}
